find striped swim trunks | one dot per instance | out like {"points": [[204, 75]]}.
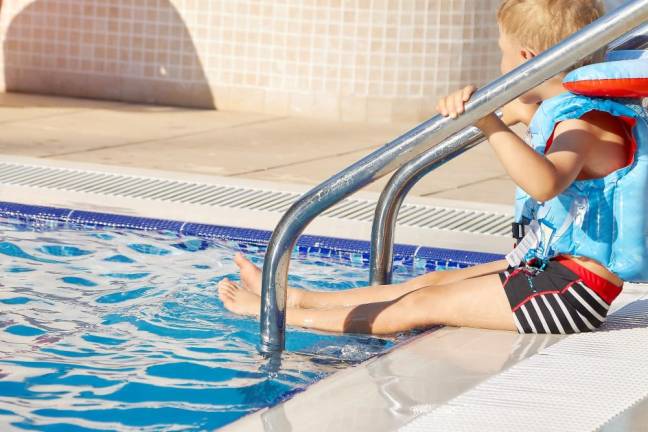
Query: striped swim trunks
{"points": [[562, 298]]}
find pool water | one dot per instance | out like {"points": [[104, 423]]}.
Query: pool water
{"points": [[105, 329]]}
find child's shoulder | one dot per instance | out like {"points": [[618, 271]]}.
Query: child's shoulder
{"points": [[601, 136], [599, 112], [603, 120], [571, 122]]}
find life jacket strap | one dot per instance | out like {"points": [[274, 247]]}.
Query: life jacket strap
{"points": [[518, 231]]}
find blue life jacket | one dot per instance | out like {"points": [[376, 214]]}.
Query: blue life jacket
{"points": [[605, 219]]}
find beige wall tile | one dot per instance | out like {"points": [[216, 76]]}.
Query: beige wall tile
{"points": [[221, 96], [326, 106], [246, 99], [406, 109], [353, 109], [379, 110], [302, 104], [137, 90], [277, 102], [103, 87]]}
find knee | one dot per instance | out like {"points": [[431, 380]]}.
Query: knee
{"points": [[424, 308], [438, 277], [429, 279], [419, 309], [389, 317]]}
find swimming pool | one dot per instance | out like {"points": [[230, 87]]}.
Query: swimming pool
{"points": [[108, 328]]}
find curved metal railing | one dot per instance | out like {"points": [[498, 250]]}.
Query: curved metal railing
{"points": [[410, 145], [384, 224], [407, 176]]}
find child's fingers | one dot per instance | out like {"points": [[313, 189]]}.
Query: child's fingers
{"points": [[458, 103], [442, 107], [468, 91], [453, 104]]}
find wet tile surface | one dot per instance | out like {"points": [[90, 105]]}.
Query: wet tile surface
{"points": [[390, 391]]}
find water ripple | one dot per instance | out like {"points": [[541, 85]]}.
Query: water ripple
{"points": [[124, 331]]}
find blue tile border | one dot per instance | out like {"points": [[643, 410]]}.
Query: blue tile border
{"points": [[356, 251]]}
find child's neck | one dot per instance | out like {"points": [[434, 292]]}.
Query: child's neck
{"points": [[551, 88]]}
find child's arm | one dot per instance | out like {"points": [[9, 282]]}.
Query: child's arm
{"points": [[542, 177], [516, 112], [512, 113]]}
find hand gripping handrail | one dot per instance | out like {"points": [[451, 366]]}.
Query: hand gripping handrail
{"points": [[413, 143], [404, 179]]}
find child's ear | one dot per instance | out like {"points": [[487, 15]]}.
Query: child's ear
{"points": [[527, 54]]}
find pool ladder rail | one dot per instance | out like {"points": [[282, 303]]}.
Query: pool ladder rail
{"points": [[419, 151]]}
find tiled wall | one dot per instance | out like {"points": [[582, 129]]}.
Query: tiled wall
{"points": [[356, 60]]}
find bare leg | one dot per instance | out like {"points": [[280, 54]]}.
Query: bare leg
{"points": [[478, 302], [251, 280]]}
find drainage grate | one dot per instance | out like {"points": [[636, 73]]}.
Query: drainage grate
{"points": [[143, 187]]}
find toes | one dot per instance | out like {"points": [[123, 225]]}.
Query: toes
{"points": [[226, 283], [226, 288], [240, 260], [231, 286], [222, 288], [224, 293], [243, 263]]}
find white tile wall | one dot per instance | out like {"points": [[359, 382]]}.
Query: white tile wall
{"points": [[377, 60]]}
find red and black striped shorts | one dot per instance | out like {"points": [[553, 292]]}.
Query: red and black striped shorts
{"points": [[562, 298]]}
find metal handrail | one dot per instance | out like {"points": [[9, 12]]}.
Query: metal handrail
{"points": [[407, 176], [412, 144], [392, 197], [636, 39]]}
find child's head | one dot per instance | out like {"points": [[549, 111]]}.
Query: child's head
{"points": [[528, 27]]}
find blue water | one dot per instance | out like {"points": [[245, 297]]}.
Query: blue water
{"points": [[122, 330]]}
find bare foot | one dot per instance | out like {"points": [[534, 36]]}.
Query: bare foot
{"points": [[251, 280], [238, 300], [250, 274]]}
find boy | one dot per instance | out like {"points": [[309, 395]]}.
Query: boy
{"points": [[532, 291]]}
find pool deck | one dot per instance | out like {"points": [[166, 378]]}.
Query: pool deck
{"points": [[225, 143]]}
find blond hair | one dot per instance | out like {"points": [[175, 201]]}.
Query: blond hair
{"points": [[541, 24]]}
